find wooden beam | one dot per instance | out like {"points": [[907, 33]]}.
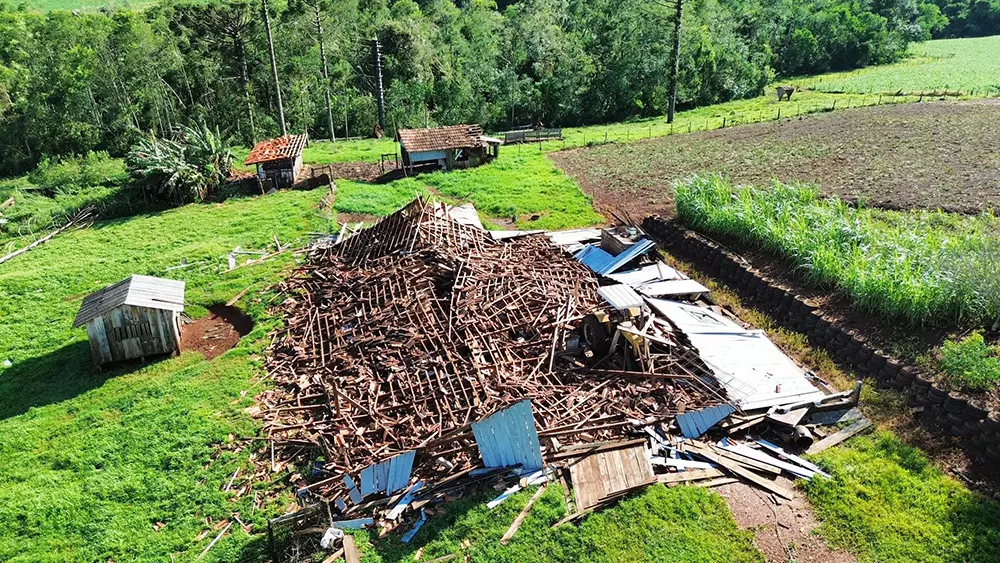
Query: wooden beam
{"points": [[737, 469], [691, 475], [520, 517], [834, 439], [350, 550]]}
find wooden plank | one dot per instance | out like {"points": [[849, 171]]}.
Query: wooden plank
{"points": [[716, 482], [836, 438], [588, 449], [748, 461], [692, 475], [680, 463], [762, 457], [350, 550], [520, 517], [738, 470], [792, 457]]}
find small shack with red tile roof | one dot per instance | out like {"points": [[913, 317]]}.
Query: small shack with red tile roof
{"points": [[278, 161], [454, 146]]}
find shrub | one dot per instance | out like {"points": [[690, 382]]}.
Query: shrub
{"points": [[970, 363], [72, 175]]}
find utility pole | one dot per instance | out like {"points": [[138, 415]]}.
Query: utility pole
{"points": [[379, 98], [676, 66], [274, 68], [326, 72]]}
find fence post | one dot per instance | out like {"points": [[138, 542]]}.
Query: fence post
{"points": [[723, 122], [605, 136]]}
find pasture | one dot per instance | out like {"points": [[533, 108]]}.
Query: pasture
{"points": [[954, 67]]}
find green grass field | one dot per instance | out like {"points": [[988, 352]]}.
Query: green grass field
{"points": [[955, 66], [925, 268], [90, 463], [887, 503]]}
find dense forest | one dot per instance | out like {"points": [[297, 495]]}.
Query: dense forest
{"points": [[964, 18], [77, 82]]}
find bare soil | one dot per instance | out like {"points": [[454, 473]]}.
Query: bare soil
{"points": [[783, 530], [216, 333], [929, 155]]}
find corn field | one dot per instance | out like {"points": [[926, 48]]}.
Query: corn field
{"points": [[921, 267]]}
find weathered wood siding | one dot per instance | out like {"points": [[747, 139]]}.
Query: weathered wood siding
{"points": [[129, 332]]}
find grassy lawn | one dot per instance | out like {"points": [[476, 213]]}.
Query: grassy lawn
{"points": [[677, 525], [90, 463], [958, 66], [521, 184], [887, 503]]}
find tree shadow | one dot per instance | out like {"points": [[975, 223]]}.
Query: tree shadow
{"points": [[54, 377]]}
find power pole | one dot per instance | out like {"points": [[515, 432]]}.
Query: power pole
{"points": [[379, 98], [326, 72], [676, 66], [274, 68]]}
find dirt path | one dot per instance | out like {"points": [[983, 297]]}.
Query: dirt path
{"points": [[783, 530]]}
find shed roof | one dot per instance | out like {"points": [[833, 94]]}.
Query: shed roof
{"points": [[287, 146], [140, 291], [441, 138]]}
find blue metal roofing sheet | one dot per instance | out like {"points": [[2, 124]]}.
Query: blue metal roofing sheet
{"points": [[603, 263], [508, 438], [695, 423]]}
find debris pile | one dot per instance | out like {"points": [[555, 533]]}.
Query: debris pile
{"points": [[402, 336]]}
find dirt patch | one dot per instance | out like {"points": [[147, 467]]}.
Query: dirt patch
{"points": [[783, 532], [216, 333], [928, 155], [356, 171]]}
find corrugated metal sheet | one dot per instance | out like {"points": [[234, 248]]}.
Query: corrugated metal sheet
{"points": [[620, 296], [509, 438], [695, 423], [753, 370], [387, 476], [504, 235], [288, 146], [604, 264], [138, 291], [672, 287], [441, 138], [466, 214], [573, 239], [647, 274]]}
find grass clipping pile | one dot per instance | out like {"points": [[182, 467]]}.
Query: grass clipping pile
{"points": [[403, 335]]}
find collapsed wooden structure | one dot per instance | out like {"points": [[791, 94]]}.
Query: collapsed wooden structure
{"points": [[278, 161], [425, 355]]}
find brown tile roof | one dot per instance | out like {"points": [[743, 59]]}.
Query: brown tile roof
{"points": [[289, 146], [441, 138]]}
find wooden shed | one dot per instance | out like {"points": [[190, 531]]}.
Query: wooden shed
{"points": [[279, 161], [136, 318], [455, 146]]}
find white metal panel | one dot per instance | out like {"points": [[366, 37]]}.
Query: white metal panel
{"points": [[466, 214], [574, 237], [753, 370], [646, 274], [672, 287], [620, 296]]}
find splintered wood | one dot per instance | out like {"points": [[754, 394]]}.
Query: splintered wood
{"points": [[401, 336]]}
